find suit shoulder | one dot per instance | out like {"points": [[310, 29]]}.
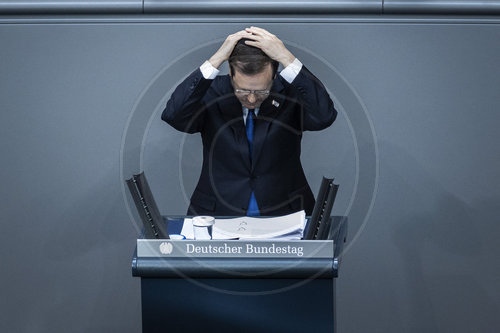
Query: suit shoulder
{"points": [[222, 85]]}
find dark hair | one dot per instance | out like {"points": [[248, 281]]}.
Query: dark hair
{"points": [[250, 60]]}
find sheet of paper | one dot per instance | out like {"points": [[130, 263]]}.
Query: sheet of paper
{"points": [[283, 227]]}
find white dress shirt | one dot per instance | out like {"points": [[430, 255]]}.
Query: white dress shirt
{"points": [[289, 73]]}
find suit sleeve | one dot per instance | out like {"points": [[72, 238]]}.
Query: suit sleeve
{"points": [[318, 109], [185, 110]]}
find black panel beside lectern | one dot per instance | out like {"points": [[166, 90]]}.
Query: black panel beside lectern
{"points": [[268, 285]]}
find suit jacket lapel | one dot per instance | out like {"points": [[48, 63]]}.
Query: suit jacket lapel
{"points": [[233, 117], [267, 113]]}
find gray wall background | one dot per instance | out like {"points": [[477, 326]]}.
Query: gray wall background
{"points": [[425, 259]]}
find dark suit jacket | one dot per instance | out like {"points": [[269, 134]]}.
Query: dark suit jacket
{"points": [[275, 172]]}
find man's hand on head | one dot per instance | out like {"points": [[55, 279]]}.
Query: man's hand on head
{"points": [[270, 44], [227, 47]]}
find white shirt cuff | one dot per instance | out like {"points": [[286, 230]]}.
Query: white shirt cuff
{"points": [[290, 72], [209, 72]]}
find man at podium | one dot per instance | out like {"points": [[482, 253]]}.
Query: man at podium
{"points": [[251, 123]]}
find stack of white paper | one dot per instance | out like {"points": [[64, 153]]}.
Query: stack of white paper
{"points": [[283, 227]]}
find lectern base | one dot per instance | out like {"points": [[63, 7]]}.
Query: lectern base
{"points": [[237, 305]]}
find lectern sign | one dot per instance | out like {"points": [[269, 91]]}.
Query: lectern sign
{"points": [[235, 248]]}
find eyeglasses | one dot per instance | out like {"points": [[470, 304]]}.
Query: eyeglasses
{"points": [[243, 92]]}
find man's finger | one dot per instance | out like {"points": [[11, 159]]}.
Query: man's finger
{"points": [[259, 31], [256, 44], [253, 43], [254, 37], [241, 34], [244, 32]]}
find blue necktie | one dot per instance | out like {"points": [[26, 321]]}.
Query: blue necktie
{"points": [[253, 209]]}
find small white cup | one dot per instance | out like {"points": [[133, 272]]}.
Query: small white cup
{"points": [[202, 227]]}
